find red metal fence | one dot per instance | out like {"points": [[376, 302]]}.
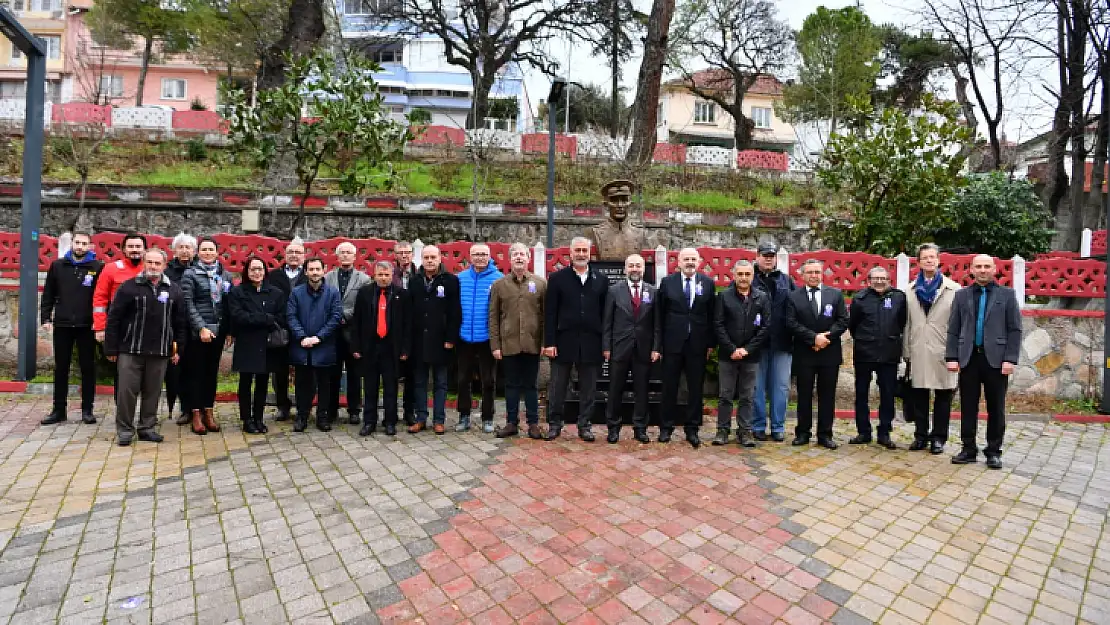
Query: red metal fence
{"points": [[1045, 276]]}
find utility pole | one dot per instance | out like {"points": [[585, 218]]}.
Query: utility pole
{"points": [[614, 34]]}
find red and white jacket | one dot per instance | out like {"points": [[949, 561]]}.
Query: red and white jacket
{"points": [[112, 276]]}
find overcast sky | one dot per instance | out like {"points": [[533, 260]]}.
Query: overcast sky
{"points": [[1028, 116]]}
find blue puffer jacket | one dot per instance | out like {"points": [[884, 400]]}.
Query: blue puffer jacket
{"points": [[474, 290], [777, 286]]}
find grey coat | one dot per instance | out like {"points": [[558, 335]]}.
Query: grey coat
{"points": [[627, 336], [1001, 327], [358, 280]]}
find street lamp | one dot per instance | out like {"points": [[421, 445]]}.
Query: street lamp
{"points": [[1104, 404], [557, 87]]}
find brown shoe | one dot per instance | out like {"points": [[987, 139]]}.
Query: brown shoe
{"points": [[198, 423], [210, 420], [419, 426], [507, 430], [534, 432], [440, 428]]}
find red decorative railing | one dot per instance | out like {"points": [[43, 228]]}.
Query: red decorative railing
{"points": [[1098, 242]]}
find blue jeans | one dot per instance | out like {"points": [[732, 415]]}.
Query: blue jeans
{"points": [[439, 405], [521, 372], [774, 374]]}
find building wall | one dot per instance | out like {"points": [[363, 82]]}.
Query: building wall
{"points": [[678, 113]]}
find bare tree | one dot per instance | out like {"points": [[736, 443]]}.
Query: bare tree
{"points": [[741, 42], [78, 144], [93, 73], [1099, 34], [645, 107]]}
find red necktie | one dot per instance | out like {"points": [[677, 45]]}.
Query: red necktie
{"points": [[382, 330], [636, 299]]}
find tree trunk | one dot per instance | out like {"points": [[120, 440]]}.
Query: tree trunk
{"points": [[303, 30], [742, 128], [614, 68], [1073, 29], [642, 148], [967, 107], [1094, 210], [1056, 178], [143, 67]]}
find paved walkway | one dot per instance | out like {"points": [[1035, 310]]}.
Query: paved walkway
{"points": [[322, 528]]}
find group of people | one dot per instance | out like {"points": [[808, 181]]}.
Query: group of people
{"points": [[169, 321]]}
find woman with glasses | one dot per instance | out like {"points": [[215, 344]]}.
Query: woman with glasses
{"points": [[256, 310]]}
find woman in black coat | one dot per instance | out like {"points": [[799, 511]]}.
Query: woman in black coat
{"points": [[255, 309]]}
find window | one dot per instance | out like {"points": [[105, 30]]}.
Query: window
{"points": [[358, 7], [761, 116], [11, 89], [705, 112], [17, 5], [173, 88], [53, 47], [111, 86], [46, 6], [389, 55], [659, 121]]}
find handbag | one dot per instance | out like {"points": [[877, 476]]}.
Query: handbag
{"points": [[278, 337]]}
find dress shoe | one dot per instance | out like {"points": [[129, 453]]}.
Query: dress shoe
{"points": [[966, 456], [721, 438], [918, 444], [439, 429], [994, 462], [693, 438], [409, 419], [745, 439], [760, 436], [641, 436], [282, 414], [553, 432], [936, 448], [210, 423], [464, 423], [58, 416], [353, 418], [260, 425], [390, 429], [197, 422], [884, 441], [487, 427], [151, 437], [124, 441], [827, 443], [664, 435], [860, 440], [300, 424], [324, 425], [417, 427], [802, 439], [507, 430], [586, 434], [88, 418], [183, 418], [249, 427], [778, 437], [366, 430], [614, 437], [534, 432]]}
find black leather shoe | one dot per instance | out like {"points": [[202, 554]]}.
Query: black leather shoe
{"points": [[994, 462], [353, 418], [390, 429], [367, 430], [151, 437], [884, 441], [800, 440], [88, 418], [553, 432], [693, 438], [745, 439], [936, 448], [827, 443], [918, 444], [249, 427], [323, 425], [614, 437], [641, 436], [664, 435], [260, 425], [966, 456], [760, 436], [778, 437], [300, 424], [123, 441], [282, 414], [859, 440], [586, 435], [721, 438], [58, 416]]}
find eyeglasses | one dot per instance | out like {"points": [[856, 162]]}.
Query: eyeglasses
{"points": [[479, 253], [877, 279]]}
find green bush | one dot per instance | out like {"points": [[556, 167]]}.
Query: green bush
{"points": [[195, 150]]}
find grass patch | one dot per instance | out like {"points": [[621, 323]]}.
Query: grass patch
{"points": [[196, 175]]}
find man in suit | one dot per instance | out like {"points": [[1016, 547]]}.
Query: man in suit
{"points": [[629, 340], [816, 316], [573, 314], [404, 270], [380, 338], [743, 326], [348, 280], [984, 343], [285, 278], [687, 300]]}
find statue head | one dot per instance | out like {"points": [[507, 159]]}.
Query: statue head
{"points": [[617, 195]]}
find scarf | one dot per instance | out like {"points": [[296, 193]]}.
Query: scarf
{"points": [[215, 278], [927, 289]]}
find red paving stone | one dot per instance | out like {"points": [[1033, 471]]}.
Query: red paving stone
{"points": [[575, 533]]}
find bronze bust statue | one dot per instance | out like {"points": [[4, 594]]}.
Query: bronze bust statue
{"points": [[616, 238]]}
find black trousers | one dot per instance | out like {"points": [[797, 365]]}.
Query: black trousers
{"points": [[354, 379], [587, 392], [942, 414], [618, 378], [64, 341], [252, 395], [409, 398], [825, 380], [201, 369], [976, 379], [476, 358], [310, 381], [886, 374], [380, 372], [278, 360], [690, 362]]}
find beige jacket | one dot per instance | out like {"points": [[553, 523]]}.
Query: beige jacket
{"points": [[516, 314], [926, 337]]}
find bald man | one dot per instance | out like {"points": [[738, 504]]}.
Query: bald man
{"points": [[984, 343]]}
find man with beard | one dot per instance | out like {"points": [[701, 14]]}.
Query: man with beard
{"points": [[112, 276], [67, 313], [772, 382], [184, 253], [629, 341], [742, 320], [687, 302], [145, 324], [286, 278], [572, 336], [380, 338], [314, 311], [516, 338], [348, 281]]}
